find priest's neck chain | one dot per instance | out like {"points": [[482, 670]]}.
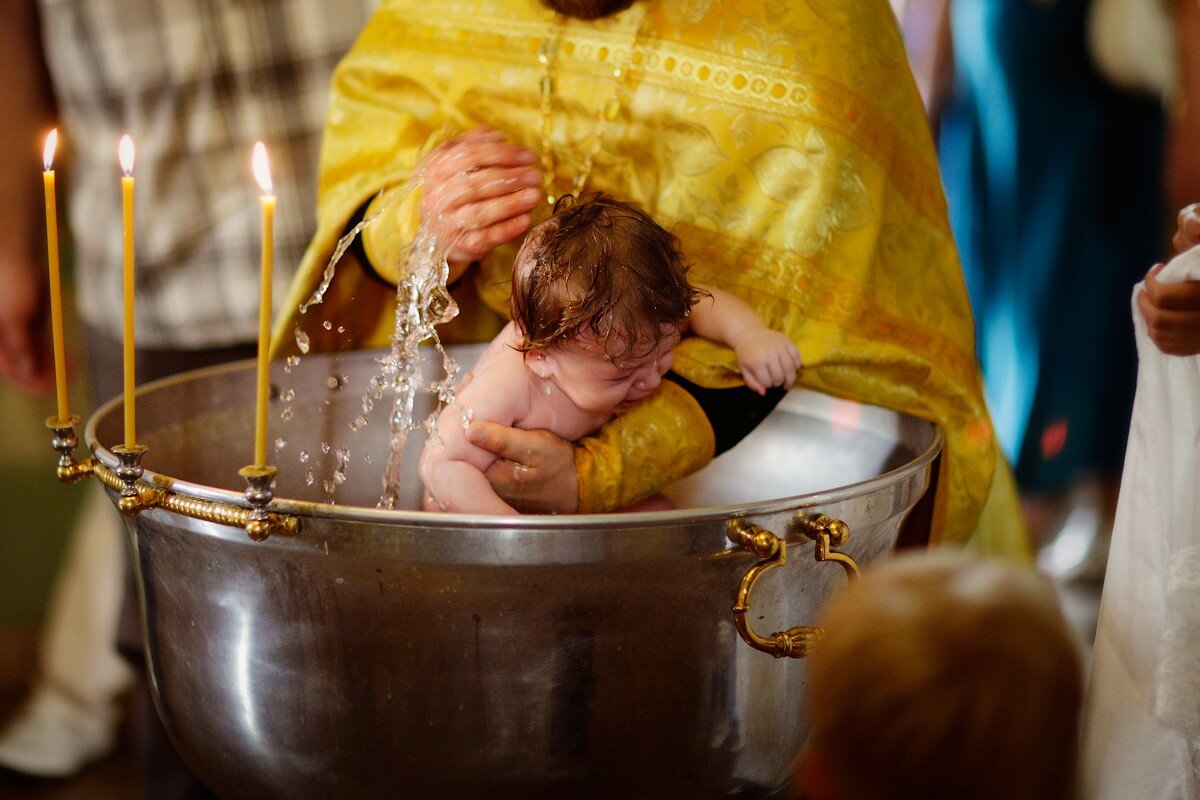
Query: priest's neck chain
{"points": [[547, 56]]}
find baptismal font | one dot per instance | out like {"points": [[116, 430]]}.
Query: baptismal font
{"points": [[365, 649]]}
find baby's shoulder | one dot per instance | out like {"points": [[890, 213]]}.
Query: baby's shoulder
{"points": [[498, 390]]}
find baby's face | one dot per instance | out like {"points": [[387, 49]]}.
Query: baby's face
{"points": [[597, 384]]}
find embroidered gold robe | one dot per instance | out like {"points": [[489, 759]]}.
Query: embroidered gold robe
{"points": [[783, 141]]}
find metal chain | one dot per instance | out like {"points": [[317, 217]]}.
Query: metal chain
{"points": [[547, 55]]}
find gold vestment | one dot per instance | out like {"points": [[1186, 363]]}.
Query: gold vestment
{"points": [[783, 142]]}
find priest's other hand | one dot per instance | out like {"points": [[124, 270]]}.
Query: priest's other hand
{"points": [[1172, 313], [479, 190], [536, 470]]}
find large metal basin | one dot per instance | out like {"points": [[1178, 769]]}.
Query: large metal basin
{"points": [[384, 654]]}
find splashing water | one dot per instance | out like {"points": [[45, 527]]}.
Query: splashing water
{"points": [[422, 303], [346, 241]]}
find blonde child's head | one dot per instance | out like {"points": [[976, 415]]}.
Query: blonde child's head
{"points": [[943, 677]]}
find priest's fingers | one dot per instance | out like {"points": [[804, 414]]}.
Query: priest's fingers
{"points": [[487, 184], [470, 156], [474, 245], [486, 212], [1188, 233], [536, 472]]}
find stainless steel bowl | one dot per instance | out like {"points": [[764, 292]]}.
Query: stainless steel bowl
{"points": [[404, 654]]}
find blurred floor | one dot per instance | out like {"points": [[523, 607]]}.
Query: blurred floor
{"points": [[111, 779]]}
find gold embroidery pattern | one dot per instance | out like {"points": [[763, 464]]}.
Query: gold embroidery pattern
{"points": [[725, 80]]}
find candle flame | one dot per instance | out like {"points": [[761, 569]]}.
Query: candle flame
{"points": [[125, 154], [262, 168], [48, 151]]}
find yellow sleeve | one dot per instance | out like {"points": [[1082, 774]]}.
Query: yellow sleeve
{"points": [[396, 218], [655, 443]]}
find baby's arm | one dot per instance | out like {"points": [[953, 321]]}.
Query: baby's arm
{"points": [[454, 475], [766, 358]]}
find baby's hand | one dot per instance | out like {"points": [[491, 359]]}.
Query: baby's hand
{"points": [[767, 358]]}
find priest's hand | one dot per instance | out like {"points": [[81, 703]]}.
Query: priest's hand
{"points": [[1172, 314], [536, 470], [479, 190]]}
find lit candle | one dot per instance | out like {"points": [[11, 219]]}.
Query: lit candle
{"points": [[60, 359], [125, 154], [262, 173]]}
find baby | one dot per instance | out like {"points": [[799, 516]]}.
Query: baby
{"points": [[600, 298]]}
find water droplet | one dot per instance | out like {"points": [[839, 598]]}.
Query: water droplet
{"points": [[279, 444], [309, 478], [358, 424], [292, 361], [302, 340], [286, 414], [468, 414], [303, 456], [325, 447], [327, 325], [341, 328], [288, 395]]}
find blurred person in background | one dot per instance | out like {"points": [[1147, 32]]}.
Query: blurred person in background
{"points": [[195, 84], [982, 692], [1054, 181]]}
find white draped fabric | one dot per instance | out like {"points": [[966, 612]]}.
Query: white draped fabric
{"points": [[1142, 724]]}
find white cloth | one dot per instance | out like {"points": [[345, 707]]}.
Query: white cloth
{"points": [[1142, 725]]}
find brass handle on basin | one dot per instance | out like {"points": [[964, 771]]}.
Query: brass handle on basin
{"points": [[826, 532]]}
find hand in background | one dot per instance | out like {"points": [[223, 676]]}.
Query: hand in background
{"points": [[766, 359], [479, 191], [1172, 314], [26, 358]]}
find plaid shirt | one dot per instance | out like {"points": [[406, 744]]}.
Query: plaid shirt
{"points": [[195, 83]]}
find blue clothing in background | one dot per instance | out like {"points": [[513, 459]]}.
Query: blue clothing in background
{"points": [[1053, 179]]}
